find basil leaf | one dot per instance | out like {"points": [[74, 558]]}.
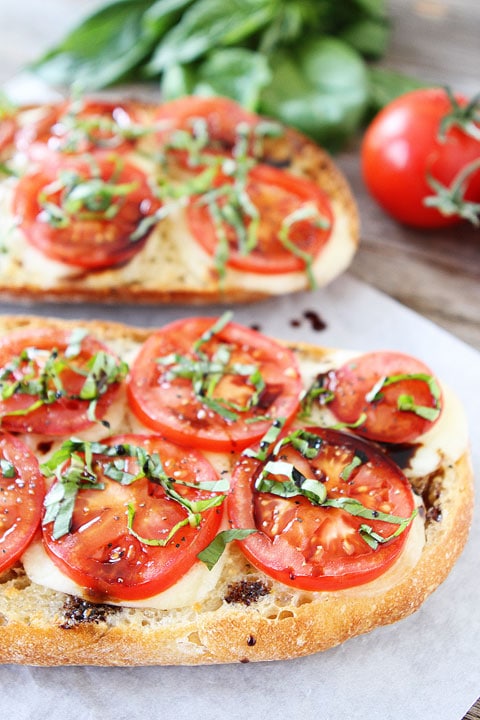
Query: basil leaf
{"points": [[237, 73], [205, 26], [368, 36], [212, 553], [102, 49], [320, 87]]}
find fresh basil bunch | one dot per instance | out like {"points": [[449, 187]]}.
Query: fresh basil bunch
{"points": [[304, 62]]}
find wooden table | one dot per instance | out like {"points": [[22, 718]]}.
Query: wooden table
{"points": [[436, 274]]}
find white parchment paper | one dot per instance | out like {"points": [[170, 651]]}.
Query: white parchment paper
{"points": [[427, 666]]}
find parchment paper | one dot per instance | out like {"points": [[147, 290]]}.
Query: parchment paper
{"points": [[427, 666]]}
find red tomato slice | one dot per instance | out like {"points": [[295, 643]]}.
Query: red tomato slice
{"points": [[22, 490], [168, 403], [276, 195], [85, 213], [23, 364], [354, 383], [101, 554], [221, 115], [320, 547], [78, 127]]}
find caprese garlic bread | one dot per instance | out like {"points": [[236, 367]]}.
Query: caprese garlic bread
{"points": [[196, 200], [201, 493]]}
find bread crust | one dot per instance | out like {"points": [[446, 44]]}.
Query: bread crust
{"points": [[269, 622], [119, 285]]}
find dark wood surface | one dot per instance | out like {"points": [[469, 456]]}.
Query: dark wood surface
{"points": [[436, 274]]}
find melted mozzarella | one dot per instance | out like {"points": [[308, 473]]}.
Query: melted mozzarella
{"points": [[192, 588]]}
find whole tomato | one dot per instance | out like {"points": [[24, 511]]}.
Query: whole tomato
{"points": [[418, 145]]}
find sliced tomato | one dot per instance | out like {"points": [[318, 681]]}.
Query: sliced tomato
{"points": [[40, 384], [324, 546], [278, 197], [405, 405], [85, 212], [78, 127], [220, 403], [22, 490], [223, 119], [102, 554]]}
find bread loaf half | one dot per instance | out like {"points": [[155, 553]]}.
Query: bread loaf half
{"points": [[192, 201], [242, 610]]}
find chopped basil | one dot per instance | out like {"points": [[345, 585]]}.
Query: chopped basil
{"points": [[60, 500], [268, 439], [41, 376], [355, 507], [357, 423], [307, 443], [83, 198], [358, 459], [212, 553], [75, 342], [96, 129], [213, 330], [7, 468], [155, 542], [374, 539], [297, 483], [193, 518], [80, 474], [405, 402], [317, 391], [304, 212], [205, 373]]}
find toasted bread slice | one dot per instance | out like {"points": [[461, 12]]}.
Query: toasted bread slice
{"points": [[246, 616], [171, 267]]}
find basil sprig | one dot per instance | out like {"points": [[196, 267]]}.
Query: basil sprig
{"points": [[74, 468], [36, 373]]}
